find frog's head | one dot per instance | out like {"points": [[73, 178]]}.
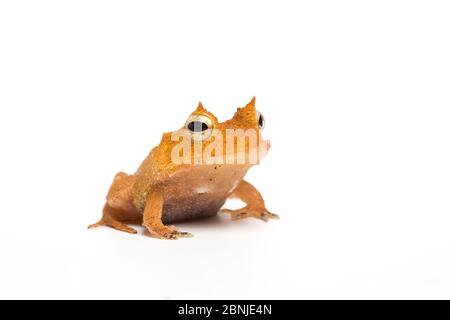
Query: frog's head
{"points": [[235, 141]]}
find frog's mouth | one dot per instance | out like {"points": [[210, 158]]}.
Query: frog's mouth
{"points": [[264, 148], [253, 156], [267, 143]]}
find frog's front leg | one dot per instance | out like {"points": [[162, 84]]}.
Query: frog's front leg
{"points": [[152, 217], [255, 207]]}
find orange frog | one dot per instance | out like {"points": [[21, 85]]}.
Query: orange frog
{"points": [[191, 174]]}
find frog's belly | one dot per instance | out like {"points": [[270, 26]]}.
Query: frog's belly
{"points": [[192, 207], [200, 191]]}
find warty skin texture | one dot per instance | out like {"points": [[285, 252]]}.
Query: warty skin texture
{"points": [[163, 192]]}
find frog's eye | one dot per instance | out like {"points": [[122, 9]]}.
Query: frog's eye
{"points": [[201, 126], [261, 121], [197, 126]]}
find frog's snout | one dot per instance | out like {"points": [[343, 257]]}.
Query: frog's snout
{"points": [[265, 145], [264, 148]]}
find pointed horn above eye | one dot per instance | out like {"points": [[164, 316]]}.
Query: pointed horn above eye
{"points": [[247, 114], [251, 104], [200, 107], [201, 110]]}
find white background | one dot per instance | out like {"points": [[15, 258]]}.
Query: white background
{"points": [[357, 103]]}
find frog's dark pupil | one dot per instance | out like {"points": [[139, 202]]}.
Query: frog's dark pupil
{"points": [[261, 121], [197, 126]]}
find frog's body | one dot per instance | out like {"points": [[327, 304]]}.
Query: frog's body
{"points": [[164, 191]]}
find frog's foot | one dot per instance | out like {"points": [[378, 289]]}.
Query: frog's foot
{"points": [[166, 232], [111, 219], [113, 224], [251, 212]]}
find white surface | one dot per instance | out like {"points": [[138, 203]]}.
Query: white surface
{"points": [[356, 99]]}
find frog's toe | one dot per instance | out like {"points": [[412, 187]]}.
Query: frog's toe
{"points": [[269, 215], [168, 232], [248, 212], [181, 234]]}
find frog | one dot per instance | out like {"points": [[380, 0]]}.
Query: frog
{"points": [[175, 183]]}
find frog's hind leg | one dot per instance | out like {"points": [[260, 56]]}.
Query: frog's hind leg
{"points": [[119, 207], [109, 220]]}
